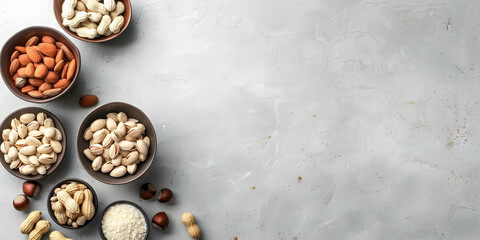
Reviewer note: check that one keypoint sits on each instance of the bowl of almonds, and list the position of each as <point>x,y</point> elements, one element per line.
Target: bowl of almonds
<point>93,20</point>
<point>72,203</point>
<point>39,64</point>
<point>116,143</point>
<point>33,143</point>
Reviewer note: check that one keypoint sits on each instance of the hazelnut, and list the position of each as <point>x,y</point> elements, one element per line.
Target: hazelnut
<point>147,191</point>
<point>165,195</point>
<point>21,202</point>
<point>160,221</point>
<point>31,188</point>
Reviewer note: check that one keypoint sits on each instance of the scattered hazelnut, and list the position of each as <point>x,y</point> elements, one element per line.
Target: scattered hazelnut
<point>31,188</point>
<point>160,221</point>
<point>147,191</point>
<point>165,195</point>
<point>21,202</point>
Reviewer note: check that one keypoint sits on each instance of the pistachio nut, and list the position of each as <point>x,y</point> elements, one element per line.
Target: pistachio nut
<point>113,116</point>
<point>7,158</point>
<point>98,124</point>
<point>42,129</point>
<point>45,140</point>
<point>20,82</point>
<point>22,130</point>
<point>116,136</point>
<point>134,120</point>
<point>28,150</point>
<point>124,153</point>
<point>89,154</point>
<point>106,153</point>
<point>28,170</point>
<point>5,146</point>
<point>21,143</point>
<point>107,141</point>
<point>24,159</point>
<point>35,133</point>
<point>117,161</point>
<point>126,145</point>
<point>5,134</point>
<point>122,117</point>
<point>48,122</point>
<point>13,136</point>
<point>142,157</point>
<point>56,146</point>
<point>14,123</point>
<point>26,118</point>
<point>34,161</point>
<point>121,129</point>
<point>132,168</point>
<point>41,116</point>
<point>42,170</point>
<point>98,136</point>
<point>141,146</point>
<point>58,135</point>
<point>119,171</point>
<point>88,134</point>
<point>46,158</point>
<point>31,141</point>
<point>13,153</point>
<point>107,167</point>
<point>33,125</point>
<point>49,132</point>
<point>130,125</point>
<point>97,163</point>
<point>111,124</point>
<point>146,139</point>
<point>96,149</point>
<point>45,148</point>
<point>15,164</point>
<point>132,157</point>
<point>114,150</point>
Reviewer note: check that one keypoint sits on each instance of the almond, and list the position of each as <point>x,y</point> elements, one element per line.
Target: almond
<point>21,49</point>
<point>88,100</point>
<point>71,69</point>
<point>64,71</point>
<point>35,82</point>
<point>14,66</point>
<point>59,44</point>
<point>45,86</point>
<point>30,70</point>
<point>49,62</point>
<point>35,94</point>
<point>59,56</point>
<point>27,88</point>
<point>62,83</point>
<point>33,55</point>
<point>24,59</point>
<point>48,39</point>
<point>49,49</point>
<point>32,41</point>
<point>52,92</point>
<point>51,77</point>
<point>15,76</point>
<point>22,72</point>
<point>68,54</point>
<point>59,66</point>
<point>37,64</point>
<point>14,55</point>
<point>41,71</point>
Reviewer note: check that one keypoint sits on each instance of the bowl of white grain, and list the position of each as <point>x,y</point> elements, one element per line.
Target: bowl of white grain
<point>124,220</point>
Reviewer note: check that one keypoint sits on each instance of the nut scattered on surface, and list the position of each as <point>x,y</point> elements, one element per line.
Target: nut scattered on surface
<point>37,71</point>
<point>72,204</point>
<point>29,223</point>
<point>92,19</point>
<point>56,235</point>
<point>147,191</point>
<point>88,100</point>
<point>193,229</point>
<point>160,221</point>
<point>31,188</point>
<point>21,202</point>
<point>117,144</point>
<point>32,144</point>
<point>165,195</point>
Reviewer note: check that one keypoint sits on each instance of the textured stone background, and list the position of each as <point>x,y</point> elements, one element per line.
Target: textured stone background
<point>287,119</point>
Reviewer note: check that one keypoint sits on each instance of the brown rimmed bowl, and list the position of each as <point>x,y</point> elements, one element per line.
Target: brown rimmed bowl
<point>101,112</point>
<point>19,39</point>
<point>67,181</point>
<point>6,124</point>
<point>127,14</point>
<point>100,230</point>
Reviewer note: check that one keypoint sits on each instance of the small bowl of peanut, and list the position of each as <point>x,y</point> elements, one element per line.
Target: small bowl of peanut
<point>72,204</point>
<point>39,64</point>
<point>93,20</point>
<point>116,143</point>
<point>33,143</point>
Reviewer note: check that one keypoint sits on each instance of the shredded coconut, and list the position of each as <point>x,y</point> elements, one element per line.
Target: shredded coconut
<point>124,222</point>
